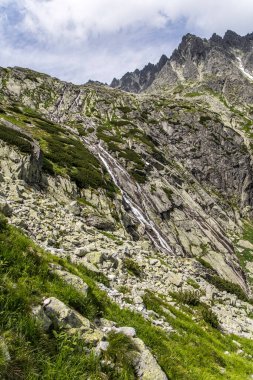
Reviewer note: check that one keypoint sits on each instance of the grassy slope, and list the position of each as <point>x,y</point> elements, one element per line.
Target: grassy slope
<point>62,154</point>
<point>196,351</point>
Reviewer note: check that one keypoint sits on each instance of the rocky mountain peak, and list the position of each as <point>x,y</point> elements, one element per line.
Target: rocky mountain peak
<point>195,59</point>
<point>139,80</point>
<point>234,40</point>
<point>191,47</point>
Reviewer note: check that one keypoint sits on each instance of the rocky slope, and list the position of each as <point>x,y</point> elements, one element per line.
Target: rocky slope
<point>151,190</point>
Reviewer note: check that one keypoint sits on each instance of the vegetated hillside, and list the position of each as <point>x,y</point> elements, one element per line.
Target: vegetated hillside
<point>76,333</point>
<point>139,213</point>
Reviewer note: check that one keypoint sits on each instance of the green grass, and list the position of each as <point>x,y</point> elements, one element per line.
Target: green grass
<point>122,350</point>
<point>195,351</point>
<point>248,232</point>
<point>210,317</point>
<point>25,279</point>
<point>83,201</point>
<point>246,255</point>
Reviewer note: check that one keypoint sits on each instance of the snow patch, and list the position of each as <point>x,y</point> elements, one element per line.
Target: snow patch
<point>248,75</point>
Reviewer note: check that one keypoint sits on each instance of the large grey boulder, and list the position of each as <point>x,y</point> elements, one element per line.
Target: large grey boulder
<point>64,317</point>
<point>100,223</point>
<point>54,313</point>
<point>5,208</point>
<point>146,366</point>
<point>70,279</point>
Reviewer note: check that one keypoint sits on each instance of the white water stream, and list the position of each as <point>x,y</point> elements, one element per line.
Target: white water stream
<point>117,172</point>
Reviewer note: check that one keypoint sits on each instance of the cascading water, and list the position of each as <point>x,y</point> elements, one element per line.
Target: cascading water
<point>118,173</point>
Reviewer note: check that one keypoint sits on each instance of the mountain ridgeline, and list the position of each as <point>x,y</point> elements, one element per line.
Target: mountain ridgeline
<point>126,220</point>
<point>214,62</point>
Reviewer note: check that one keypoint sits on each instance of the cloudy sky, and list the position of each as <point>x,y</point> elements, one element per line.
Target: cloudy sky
<point>78,40</point>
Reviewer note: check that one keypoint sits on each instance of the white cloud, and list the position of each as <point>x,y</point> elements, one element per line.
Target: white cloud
<point>81,39</point>
<point>80,18</point>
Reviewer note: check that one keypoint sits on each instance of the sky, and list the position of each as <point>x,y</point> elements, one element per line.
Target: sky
<point>78,40</point>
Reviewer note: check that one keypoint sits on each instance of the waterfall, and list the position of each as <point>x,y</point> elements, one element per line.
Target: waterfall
<point>130,191</point>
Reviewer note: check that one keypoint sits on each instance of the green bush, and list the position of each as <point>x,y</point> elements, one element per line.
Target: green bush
<point>205,263</point>
<point>168,192</point>
<point>139,175</point>
<point>187,297</point>
<point>125,109</point>
<point>193,283</point>
<point>147,140</point>
<point>16,138</point>
<point>131,155</point>
<point>48,126</point>
<point>210,317</point>
<point>47,166</point>
<point>159,157</point>
<point>132,267</point>
<point>3,223</point>
<point>82,167</point>
<point>228,286</point>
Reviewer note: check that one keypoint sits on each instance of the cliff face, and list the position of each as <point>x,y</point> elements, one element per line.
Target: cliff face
<point>152,191</point>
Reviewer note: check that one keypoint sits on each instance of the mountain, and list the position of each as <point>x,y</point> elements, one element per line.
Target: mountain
<point>214,64</point>
<point>139,80</point>
<point>126,233</point>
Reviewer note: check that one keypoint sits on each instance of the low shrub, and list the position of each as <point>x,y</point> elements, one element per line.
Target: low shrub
<point>187,297</point>
<point>3,223</point>
<point>227,286</point>
<point>139,175</point>
<point>193,283</point>
<point>168,192</point>
<point>82,167</point>
<point>204,263</point>
<point>133,267</point>
<point>210,317</point>
<point>15,138</point>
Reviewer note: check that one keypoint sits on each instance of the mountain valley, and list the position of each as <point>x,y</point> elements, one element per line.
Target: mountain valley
<point>126,220</point>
